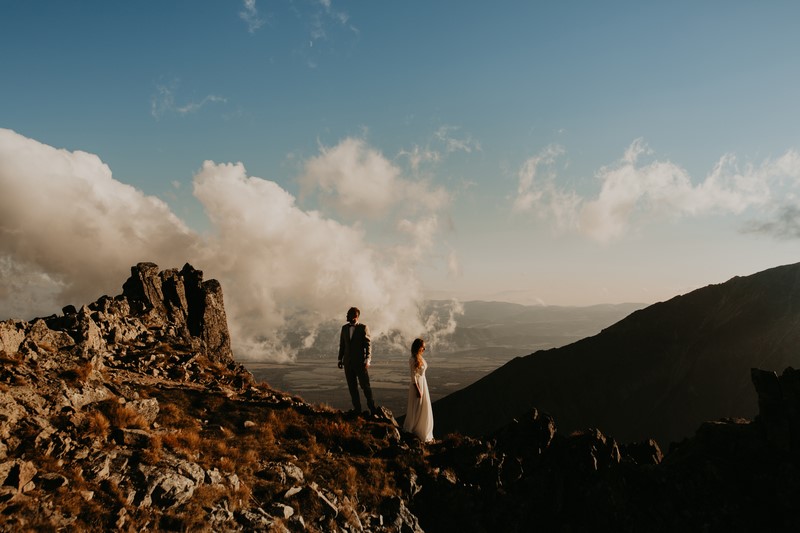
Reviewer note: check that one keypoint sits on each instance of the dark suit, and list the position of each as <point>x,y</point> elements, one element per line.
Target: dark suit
<point>354,353</point>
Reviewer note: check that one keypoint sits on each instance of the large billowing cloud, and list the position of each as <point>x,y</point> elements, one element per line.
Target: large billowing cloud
<point>281,263</point>
<point>69,232</point>
<point>357,182</point>
<point>632,191</point>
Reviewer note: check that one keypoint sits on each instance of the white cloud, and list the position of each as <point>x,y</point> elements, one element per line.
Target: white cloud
<point>358,182</point>
<point>442,144</point>
<point>326,28</point>
<point>530,190</point>
<point>69,232</point>
<point>163,102</point>
<point>417,156</point>
<point>453,144</point>
<point>634,192</point>
<point>281,261</point>
<point>250,16</point>
<point>339,17</point>
<point>68,229</point>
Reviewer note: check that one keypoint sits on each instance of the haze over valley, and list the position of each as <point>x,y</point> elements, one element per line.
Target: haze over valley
<point>487,335</point>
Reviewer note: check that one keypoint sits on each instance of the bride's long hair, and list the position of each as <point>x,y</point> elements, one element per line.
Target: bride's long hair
<point>416,352</point>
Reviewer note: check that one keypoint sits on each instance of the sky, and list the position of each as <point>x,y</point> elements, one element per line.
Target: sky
<point>313,155</point>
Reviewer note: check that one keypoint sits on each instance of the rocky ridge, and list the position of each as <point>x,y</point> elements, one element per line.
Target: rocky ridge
<point>131,414</point>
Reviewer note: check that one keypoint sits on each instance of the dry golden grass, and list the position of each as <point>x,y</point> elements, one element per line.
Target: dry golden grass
<point>206,496</point>
<point>184,442</point>
<point>242,497</point>
<point>97,424</point>
<point>281,420</point>
<point>172,416</point>
<point>332,429</point>
<point>226,433</point>
<point>265,434</point>
<point>226,464</point>
<point>249,457</point>
<point>220,448</point>
<point>122,416</point>
<point>378,480</point>
<point>326,408</point>
<point>192,515</point>
<point>211,369</point>
<point>79,373</point>
<point>154,451</point>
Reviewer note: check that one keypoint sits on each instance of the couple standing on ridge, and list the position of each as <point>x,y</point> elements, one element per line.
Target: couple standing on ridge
<point>355,354</point>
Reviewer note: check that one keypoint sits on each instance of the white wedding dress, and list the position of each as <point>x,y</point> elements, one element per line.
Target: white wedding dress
<point>419,415</point>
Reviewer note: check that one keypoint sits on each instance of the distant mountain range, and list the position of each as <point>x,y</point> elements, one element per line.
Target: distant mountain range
<point>659,372</point>
<point>524,327</point>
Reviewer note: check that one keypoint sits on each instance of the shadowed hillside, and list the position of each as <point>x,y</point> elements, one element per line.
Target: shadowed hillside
<point>657,373</point>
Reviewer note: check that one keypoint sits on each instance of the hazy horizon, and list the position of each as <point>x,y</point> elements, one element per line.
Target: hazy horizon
<point>318,154</point>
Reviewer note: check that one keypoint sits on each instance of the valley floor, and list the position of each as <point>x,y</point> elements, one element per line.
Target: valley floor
<point>318,380</point>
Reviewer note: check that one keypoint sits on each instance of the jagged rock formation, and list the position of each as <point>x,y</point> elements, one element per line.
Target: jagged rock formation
<point>658,373</point>
<point>190,305</point>
<point>129,415</point>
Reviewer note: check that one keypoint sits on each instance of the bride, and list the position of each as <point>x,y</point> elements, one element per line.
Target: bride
<point>419,415</point>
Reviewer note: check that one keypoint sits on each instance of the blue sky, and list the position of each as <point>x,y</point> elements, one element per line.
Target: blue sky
<point>539,152</point>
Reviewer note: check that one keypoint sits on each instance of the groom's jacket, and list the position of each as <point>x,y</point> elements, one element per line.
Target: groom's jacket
<point>355,350</point>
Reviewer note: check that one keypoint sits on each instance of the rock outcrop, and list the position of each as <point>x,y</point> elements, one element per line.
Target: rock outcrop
<point>182,300</point>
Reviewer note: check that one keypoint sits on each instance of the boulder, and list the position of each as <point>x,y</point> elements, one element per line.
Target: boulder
<point>12,333</point>
<point>397,517</point>
<point>47,339</point>
<point>146,408</point>
<point>17,474</point>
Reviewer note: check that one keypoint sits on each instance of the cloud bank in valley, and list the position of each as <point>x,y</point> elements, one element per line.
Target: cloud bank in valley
<point>633,191</point>
<point>69,232</point>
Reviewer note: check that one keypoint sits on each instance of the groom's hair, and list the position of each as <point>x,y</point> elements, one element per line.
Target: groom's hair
<point>354,310</point>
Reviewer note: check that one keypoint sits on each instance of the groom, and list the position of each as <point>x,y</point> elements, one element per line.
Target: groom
<point>355,352</point>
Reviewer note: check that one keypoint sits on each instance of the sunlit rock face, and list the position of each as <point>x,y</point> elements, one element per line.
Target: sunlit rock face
<point>181,299</point>
<point>172,305</point>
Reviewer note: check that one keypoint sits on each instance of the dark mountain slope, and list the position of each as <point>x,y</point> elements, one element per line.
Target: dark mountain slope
<point>659,373</point>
